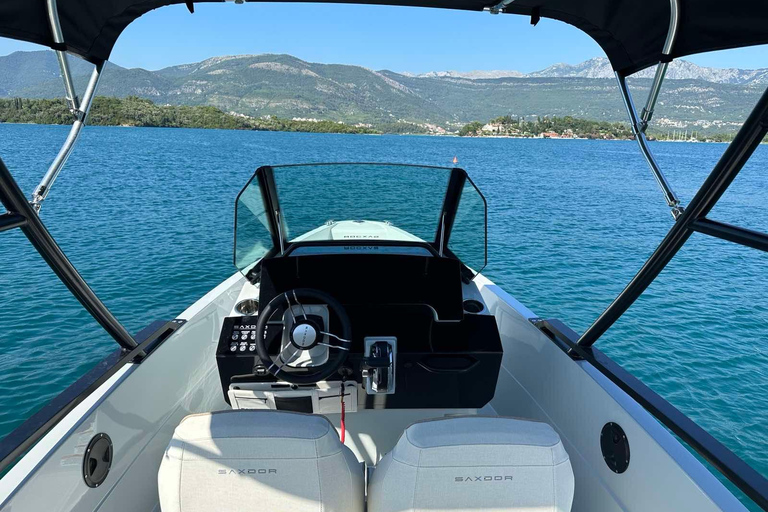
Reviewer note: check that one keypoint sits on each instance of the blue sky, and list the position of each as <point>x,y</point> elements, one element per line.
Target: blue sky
<point>377,37</point>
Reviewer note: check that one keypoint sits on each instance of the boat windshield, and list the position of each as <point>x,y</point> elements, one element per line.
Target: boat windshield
<point>355,202</point>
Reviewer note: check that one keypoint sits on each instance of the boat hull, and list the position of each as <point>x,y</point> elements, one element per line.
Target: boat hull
<point>141,404</point>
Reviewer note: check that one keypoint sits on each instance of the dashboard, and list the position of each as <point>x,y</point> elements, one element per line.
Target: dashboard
<point>386,331</point>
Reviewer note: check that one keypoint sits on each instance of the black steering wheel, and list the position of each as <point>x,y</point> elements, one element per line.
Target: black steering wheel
<point>306,333</point>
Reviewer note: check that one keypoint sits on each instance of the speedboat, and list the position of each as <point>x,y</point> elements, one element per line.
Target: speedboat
<point>358,359</point>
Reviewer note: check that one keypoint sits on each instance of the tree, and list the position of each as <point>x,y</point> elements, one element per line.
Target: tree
<point>472,128</point>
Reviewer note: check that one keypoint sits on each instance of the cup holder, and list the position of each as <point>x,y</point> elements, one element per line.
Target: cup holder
<point>473,306</point>
<point>248,307</point>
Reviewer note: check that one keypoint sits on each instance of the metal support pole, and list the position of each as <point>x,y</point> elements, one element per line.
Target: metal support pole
<point>81,114</point>
<point>15,203</point>
<point>661,69</point>
<point>496,9</point>
<point>735,234</point>
<point>653,95</point>
<point>10,221</point>
<point>669,194</point>
<point>58,38</point>
<point>735,156</point>
<point>639,123</point>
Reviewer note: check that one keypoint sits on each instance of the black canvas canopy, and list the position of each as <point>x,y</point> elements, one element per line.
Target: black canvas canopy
<point>631,32</point>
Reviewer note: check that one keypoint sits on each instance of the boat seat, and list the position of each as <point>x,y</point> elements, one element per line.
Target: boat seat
<point>248,460</point>
<point>474,463</point>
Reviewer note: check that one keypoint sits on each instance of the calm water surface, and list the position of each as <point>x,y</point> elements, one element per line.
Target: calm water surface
<point>146,215</point>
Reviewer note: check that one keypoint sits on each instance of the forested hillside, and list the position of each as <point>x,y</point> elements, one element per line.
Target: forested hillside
<point>133,111</point>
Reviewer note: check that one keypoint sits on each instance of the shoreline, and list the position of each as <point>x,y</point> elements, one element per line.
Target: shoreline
<point>592,139</point>
<point>2,123</point>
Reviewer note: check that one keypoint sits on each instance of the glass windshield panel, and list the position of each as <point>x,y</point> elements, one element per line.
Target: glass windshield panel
<point>361,201</point>
<point>468,235</point>
<point>358,203</point>
<point>252,235</point>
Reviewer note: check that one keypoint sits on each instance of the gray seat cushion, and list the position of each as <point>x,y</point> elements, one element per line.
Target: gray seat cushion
<point>474,463</point>
<point>255,461</point>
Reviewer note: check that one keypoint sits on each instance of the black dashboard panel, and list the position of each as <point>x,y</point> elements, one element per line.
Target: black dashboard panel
<point>438,364</point>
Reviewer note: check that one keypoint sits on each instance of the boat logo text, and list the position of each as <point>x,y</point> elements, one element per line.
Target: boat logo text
<point>486,478</point>
<point>247,471</point>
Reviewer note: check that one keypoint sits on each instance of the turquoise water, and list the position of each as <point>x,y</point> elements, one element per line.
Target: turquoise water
<point>147,217</point>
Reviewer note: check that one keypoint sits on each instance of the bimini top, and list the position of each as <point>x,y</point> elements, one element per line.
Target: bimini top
<point>631,32</point>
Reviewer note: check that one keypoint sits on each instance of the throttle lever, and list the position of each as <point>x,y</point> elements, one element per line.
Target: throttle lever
<point>378,365</point>
<point>373,362</point>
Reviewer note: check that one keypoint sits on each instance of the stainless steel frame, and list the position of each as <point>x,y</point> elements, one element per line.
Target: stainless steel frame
<point>661,69</point>
<point>78,108</point>
<point>58,38</point>
<point>669,195</point>
<point>639,123</point>
<point>496,9</point>
<point>81,114</point>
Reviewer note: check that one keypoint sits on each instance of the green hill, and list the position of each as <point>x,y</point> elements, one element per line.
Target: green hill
<point>133,111</point>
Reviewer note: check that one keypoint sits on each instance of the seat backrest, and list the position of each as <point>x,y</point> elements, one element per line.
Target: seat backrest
<point>256,461</point>
<point>474,463</point>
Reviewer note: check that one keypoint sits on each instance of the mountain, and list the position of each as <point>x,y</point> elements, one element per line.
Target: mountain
<point>21,70</point>
<point>694,97</point>
<point>257,85</point>
<point>600,67</point>
<point>472,75</point>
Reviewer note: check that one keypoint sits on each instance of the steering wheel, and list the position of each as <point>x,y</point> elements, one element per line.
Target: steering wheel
<point>305,334</point>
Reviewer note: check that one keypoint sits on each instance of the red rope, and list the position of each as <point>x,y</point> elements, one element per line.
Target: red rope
<point>343,411</point>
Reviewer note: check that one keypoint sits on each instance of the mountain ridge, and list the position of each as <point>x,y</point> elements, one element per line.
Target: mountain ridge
<point>600,67</point>
<point>287,87</point>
